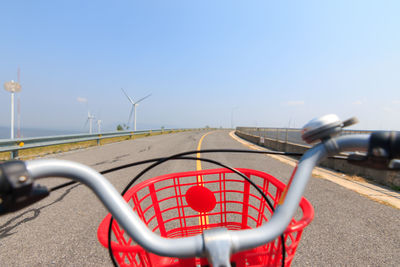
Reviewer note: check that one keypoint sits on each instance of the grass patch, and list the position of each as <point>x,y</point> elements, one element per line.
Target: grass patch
<point>395,187</point>
<point>5,155</point>
<point>115,139</point>
<point>140,136</point>
<point>31,153</point>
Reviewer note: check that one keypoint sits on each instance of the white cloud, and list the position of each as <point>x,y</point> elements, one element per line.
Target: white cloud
<point>81,99</point>
<point>294,103</point>
<point>396,102</point>
<point>357,102</point>
<point>387,109</point>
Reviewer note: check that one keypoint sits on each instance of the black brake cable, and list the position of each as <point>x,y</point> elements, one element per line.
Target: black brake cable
<point>192,152</point>
<point>189,152</point>
<point>178,157</point>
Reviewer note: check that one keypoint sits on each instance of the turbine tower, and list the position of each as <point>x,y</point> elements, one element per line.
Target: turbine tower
<point>90,118</point>
<point>12,87</point>
<point>133,108</point>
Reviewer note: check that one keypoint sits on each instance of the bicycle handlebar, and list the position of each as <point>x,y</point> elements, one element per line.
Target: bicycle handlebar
<point>117,206</point>
<point>206,243</point>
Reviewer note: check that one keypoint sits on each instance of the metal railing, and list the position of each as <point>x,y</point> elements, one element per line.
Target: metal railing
<point>287,135</point>
<point>15,145</point>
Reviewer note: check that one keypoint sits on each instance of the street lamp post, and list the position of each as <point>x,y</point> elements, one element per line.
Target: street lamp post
<point>12,87</point>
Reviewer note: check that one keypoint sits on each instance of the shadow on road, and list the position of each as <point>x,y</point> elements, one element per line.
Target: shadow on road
<point>6,229</point>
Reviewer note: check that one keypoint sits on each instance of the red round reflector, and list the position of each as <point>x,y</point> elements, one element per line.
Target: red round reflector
<point>200,199</point>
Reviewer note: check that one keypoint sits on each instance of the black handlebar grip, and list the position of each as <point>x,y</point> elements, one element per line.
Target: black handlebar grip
<point>16,187</point>
<point>385,144</point>
<point>395,144</point>
<point>13,175</point>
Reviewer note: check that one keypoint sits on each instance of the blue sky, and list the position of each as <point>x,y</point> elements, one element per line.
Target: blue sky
<point>266,63</point>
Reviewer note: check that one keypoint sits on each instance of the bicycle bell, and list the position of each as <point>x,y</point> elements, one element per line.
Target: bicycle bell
<point>324,127</point>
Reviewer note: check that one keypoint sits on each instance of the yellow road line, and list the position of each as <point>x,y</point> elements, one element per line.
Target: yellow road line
<point>203,220</point>
<point>198,162</point>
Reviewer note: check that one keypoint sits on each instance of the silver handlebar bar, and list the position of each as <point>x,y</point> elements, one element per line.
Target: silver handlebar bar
<point>117,206</point>
<point>200,245</point>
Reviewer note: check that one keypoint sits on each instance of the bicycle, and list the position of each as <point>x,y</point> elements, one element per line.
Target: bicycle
<point>219,245</point>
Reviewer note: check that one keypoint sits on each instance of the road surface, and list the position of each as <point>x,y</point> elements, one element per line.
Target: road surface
<point>348,228</point>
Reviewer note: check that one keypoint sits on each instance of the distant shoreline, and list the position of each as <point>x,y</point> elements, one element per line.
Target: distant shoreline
<point>33,132</point>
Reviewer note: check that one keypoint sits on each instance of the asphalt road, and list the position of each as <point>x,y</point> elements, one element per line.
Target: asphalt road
<point>348,229</point>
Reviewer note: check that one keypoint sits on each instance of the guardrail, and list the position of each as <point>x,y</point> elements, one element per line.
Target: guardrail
<point>13,146</point>
<point>287,135</point>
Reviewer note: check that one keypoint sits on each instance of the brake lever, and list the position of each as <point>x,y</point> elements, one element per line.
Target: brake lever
<point>394,164</point>
<point>17,188</point>
<point>378,163</point>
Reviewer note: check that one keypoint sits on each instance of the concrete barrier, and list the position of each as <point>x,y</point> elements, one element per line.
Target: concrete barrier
<point>388,178</point>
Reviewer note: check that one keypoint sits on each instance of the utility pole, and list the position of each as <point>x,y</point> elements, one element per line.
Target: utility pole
<point>19,108</point>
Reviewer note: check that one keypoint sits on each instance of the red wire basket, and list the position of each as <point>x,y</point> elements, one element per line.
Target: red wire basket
<point>185,204</point>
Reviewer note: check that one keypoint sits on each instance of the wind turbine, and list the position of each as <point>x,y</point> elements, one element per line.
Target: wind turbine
<point>90,118</point>
<point>133,108</point>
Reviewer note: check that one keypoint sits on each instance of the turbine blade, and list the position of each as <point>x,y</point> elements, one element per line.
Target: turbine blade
<point>84,126</point>
<point>142,99</point>
<point>90,115</point>
<point>130,99</point>
<point>130,115</point>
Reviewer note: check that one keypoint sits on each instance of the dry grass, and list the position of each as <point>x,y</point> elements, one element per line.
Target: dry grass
<point>42,151</point>
<point>356,178</point>
<point>115,139</point>
<point>31,153</point>
<point>353,178</point>
<point>317,176</point>
<point>5,155</point>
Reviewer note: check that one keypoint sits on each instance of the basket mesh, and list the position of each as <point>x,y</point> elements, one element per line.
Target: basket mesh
<point>160,202</point>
